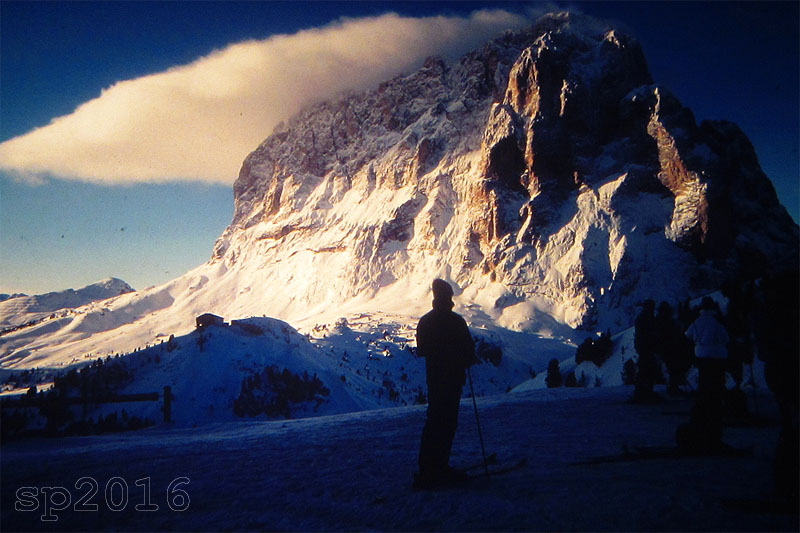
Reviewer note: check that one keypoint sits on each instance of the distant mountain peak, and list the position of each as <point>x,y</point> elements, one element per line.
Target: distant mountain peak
<point>19,309</point>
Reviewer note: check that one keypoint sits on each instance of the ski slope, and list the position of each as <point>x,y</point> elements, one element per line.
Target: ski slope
<point>353,472</point>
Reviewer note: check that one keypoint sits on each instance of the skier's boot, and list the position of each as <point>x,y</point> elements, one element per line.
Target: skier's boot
<point>446,477</point>
<point>454,476</point>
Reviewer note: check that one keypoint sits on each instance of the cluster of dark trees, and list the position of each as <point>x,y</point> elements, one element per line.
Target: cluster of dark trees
<point>488,351</point>
<point>28,324</point>
<point>388,384</point>
<point>276,392</point>
<point>15,423</point>
<point>18,423</point>
<point>250,329</point>
<point>26,378</point>
<point>171,344</point>
<point>63,406</point>
<point>111,423</point>
<point>98,381</point>
<point>596,350</point>
<point>555,379</point>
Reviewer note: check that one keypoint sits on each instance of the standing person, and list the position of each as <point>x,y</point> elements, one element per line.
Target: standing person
<point>703,434</point>
<point>778,314</point>
<point>443,339</point>
<point>645,342</point>
<point>670,348</point>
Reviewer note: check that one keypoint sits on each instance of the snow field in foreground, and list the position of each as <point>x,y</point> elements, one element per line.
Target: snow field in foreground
<point>353,472</point>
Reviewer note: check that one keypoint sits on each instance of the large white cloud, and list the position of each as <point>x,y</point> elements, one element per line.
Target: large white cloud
<point>199,121</point>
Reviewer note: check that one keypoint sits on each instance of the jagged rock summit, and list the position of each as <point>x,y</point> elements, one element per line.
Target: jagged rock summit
<point>546,175</point>
<point>545,172</point>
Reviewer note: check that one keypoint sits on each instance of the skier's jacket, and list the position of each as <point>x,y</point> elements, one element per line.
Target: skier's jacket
<point>709,336</point>
<point>645,333</point>
<point>443,339</point>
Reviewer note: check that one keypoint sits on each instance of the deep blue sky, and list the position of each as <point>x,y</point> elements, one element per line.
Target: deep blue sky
<point>733,61</point>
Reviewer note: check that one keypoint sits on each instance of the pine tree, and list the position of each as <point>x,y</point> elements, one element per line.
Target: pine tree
<point>553,378</point>
<point>629,372</point>
<point>571,380</point>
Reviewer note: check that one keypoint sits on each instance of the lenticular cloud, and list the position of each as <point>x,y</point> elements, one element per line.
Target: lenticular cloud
<point>199,121</point>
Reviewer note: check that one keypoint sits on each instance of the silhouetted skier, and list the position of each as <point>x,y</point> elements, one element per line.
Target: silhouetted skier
<point>645,342</point>
<point>443,339</point>
<point>672,348</point>
<point>779,347</point>
<point>739,321</point>
<point>703,433</point>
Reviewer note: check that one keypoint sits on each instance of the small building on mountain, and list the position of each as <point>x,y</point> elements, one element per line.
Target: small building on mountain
<point>208,319</point>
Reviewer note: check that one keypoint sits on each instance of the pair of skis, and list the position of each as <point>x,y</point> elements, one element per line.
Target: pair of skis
<point>474,473</point>
<point>640,453</point>
<point>483,471</point>
<point>493,467</point>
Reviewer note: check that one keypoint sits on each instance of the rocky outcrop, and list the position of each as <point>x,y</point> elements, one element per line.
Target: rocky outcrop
<point>546,168</point>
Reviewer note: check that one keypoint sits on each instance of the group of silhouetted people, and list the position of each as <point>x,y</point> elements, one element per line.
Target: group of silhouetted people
<point>661,338</point>
<point>762,319</point>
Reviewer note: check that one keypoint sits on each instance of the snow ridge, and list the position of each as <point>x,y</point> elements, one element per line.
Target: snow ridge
<point>20,308</point>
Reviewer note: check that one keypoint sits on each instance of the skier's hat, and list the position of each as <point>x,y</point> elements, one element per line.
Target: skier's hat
<point>708,304</point>
<point>441,290</point>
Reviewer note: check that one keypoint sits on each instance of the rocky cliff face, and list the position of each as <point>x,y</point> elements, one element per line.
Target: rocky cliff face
<point>544,172</point>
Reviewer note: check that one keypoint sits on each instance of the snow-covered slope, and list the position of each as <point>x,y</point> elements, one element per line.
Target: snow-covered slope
<point>19,309</point>
<point>365,363</point>
<point>207,367</point>
<point>544,175</point>
<point>353,473</point>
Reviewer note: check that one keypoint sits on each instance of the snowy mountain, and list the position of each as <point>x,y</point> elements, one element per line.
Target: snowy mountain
<point>544,172</point>
<point>545,175</point>
<point>570,195</point>
<point>18,309</point>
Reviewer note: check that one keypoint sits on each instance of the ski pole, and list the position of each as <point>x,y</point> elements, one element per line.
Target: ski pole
<point>753,388</point>
<point>478,423</point>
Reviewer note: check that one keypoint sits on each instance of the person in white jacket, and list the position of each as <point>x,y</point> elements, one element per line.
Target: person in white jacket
<point>709,336</point>
<point>704,431</point>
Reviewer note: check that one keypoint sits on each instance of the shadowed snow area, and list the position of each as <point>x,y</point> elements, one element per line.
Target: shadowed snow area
<point>353,472</point>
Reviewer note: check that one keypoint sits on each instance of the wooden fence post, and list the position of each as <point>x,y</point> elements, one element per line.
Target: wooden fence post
<point>167,403</point>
